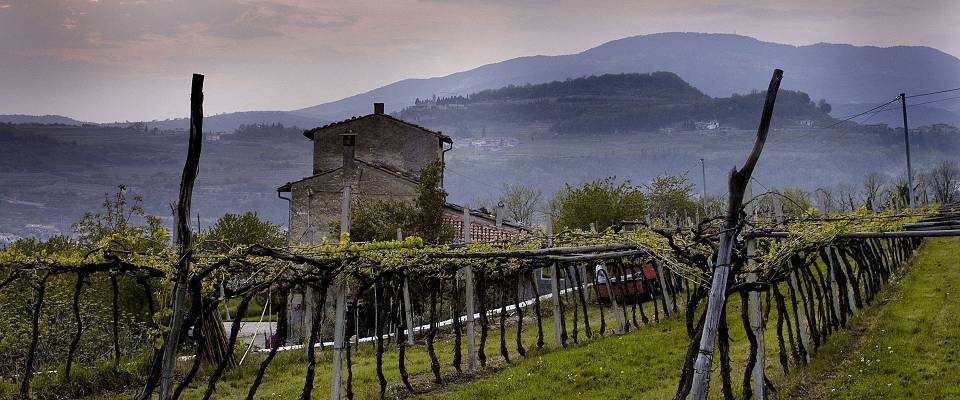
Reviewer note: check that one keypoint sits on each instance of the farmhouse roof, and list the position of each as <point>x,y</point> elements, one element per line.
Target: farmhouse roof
<point>381,167</point>
<point>377,114</point>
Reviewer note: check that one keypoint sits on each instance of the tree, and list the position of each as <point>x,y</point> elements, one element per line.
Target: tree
<point>944,181</point>
<point>872,188</point>
<point>669,194</point>
<point>379,219</point>
<point>604,202</point>
<point>244,230</point>
<point>123,223</point>
<point>822,105</point>
<point>520,202</point>
<point>431,198</point>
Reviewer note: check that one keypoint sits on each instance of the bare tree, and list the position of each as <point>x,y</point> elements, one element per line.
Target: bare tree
<point>943,181</point>
<point>521,202</point>
<point>872,188</point>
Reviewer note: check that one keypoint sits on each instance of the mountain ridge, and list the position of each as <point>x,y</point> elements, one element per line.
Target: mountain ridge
<point>718,64</point>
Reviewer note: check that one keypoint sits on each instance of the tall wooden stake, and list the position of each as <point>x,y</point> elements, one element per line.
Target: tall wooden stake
<point>756,308</point>
<point>467,273</point>
<point>340,322</point>
<point>184,237</point>
<point>555,292</point>
<point>407,307</point>
<point>718,288</point>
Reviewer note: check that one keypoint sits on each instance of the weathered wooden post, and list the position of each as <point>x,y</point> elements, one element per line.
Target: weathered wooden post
<point>718,287</point>
<point>851,298</point>
<point>800,319</point>
<point>184,237</point>
<point>663,288</point>
<point>340,322</point>
<point>467,273</point>
<point>407,307</point>
<point>835,289</point>
<point>555,291</point>
<point>613,302</point>
<point>756,307</point>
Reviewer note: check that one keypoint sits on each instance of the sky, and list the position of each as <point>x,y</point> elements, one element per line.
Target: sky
<point>119,60</point>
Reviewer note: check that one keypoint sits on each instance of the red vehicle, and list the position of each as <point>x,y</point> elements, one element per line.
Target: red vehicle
<point>632,285</point>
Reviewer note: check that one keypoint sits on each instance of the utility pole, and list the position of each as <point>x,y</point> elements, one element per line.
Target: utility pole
<point>703,173</point>
<point>906,143</point>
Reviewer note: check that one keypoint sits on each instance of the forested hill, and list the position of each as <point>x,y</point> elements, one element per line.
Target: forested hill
<point>609,104</point>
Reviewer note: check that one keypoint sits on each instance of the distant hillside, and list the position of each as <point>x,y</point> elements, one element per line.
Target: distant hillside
<point>39,119</point>
<point>609,104</point>
<point>717,64</point>
<point>231,121</point>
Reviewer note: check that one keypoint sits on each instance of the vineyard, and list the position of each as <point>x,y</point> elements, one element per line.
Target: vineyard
<point>801,278</point>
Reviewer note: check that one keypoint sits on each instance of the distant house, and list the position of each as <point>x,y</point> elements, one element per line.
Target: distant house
<point>389,155</point>
<point>707,125</point>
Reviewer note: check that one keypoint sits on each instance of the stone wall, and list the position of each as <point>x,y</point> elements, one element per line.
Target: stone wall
<point>316,201</point>
<point>381,140</point>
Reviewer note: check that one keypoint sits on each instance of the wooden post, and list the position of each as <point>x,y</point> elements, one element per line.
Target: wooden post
<point>184,237</point>
<point>717,298</point>
<point>850,296</point>
<point>340,322</point>
<point>663,288</point>
<point>340,325</point>
<point>835,289</point>
<point>467,273</point>
<point>613,302</point>
<point>800,319</point>
<point>555,291</point>
<point>756,325</point>
<point>407,307</point>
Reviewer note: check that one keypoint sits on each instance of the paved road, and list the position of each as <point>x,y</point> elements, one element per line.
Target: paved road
<point>256,331</point>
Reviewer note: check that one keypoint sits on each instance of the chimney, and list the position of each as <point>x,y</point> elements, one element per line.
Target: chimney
<point>378,108</point>
<point>349,150</point>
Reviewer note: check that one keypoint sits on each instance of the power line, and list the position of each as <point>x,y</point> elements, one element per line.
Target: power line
<point>934,101</point>
<point>930,93</point>
<point>865,112</point>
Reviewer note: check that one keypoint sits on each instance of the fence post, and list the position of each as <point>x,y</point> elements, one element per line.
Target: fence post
<point>467,273</point>
<point>408,309</point>
<point>801,321</point>
<point>555,290</point>
<point>849,286</point>
<point>832,281</point>
<point>340,326</point>
<point>613,301</point>
<point>756,325</point>
<point>663,288</point>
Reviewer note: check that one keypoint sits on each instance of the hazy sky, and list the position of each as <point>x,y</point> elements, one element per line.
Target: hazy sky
<point>130,60</point>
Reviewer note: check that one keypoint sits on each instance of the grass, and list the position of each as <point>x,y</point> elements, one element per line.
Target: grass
<point>904,346</point>
<point>909,329</point>
<point>907,348</point>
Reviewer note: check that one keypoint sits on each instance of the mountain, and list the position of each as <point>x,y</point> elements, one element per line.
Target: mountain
<point>606,104</point>
<point>717,64</point>
<point>39,119</point>
<point>229,122</point>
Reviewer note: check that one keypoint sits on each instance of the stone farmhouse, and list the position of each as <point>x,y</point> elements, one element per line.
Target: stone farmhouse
<point>386,155</point>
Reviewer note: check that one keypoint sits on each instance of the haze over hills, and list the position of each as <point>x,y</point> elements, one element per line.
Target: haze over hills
<point>607,104</point>
<point>227,122</point>
<point>634,126</point>
<point>717,64</point>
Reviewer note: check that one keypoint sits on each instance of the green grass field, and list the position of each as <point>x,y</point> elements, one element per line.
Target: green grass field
<point>903,346</point>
